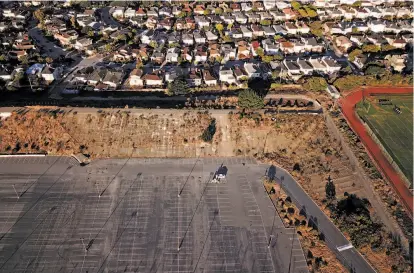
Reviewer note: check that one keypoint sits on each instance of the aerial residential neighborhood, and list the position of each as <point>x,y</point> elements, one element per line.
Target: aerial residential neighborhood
<point>281,41</point>
<point>206,136</point>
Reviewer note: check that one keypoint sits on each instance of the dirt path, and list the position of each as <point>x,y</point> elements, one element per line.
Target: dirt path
<point>348,109</point>
<point>226,145</point>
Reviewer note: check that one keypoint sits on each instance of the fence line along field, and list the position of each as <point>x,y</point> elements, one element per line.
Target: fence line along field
<point>390,117</point>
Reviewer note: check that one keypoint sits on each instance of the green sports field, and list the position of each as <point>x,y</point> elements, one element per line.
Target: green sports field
<point>395,131</point>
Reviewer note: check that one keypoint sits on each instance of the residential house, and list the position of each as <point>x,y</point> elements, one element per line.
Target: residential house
<point>214,51</point>
<point>376,26</point>
<point>243,52</point>
<point>302,27</point>
<point>129,13</point>
<point>270,47</point>
<point>201,21</point>
<point>96,76</point>
<point>81,44</point>
<point>247,33</point>
<point>332,65</point>
<point>358,39</point>
<point>360,61</point>
<point>208,78</point>
<point>199,9</point>
<point>240,73</point>
<point>291,28</point>
<point>397,62</point>
<point>228,52</point>
<point>118,12</point>
<point>153,79</point>
<point>311,45</point>
<point>194,78</point>
<point>289,14</point>
<point>165,11</point>
<point>257,30</point>
<point>343,43</point>
<point>280,30</point>
<point>304,66</point>
<point>318,65</point>
<point>112,79</point>
<point>240,17</point>
<point>246,6</point>
<point>152,12</point>
<point>252,70</point>
<point>135,79</point>
<point>269,31</point>
<point>253,17</point>
<point>287,47</point>
<point>200,54</point>
<point>360,26</point>
<point>226,75</point>
<point>173,55</point>
<point>292,67</point>
<point>158,56</point>
<point>188,39</point>
<point>166,23</point>
<point>211,36</point>
<point>199,37</point>
<point>186,54</point>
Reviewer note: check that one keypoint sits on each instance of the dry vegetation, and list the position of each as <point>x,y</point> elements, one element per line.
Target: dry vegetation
<point>318,256</point>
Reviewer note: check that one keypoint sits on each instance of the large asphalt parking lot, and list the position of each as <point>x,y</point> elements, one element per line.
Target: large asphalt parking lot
<point>120,215</point>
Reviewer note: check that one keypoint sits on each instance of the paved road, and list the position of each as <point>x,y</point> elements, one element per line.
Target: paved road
<point>107,17</point>
<point>48,48</point>
<point>119,215</point>
<point>334,238</point>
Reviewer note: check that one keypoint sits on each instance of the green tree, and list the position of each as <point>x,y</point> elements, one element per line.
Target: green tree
<point>2,58</point>
<point>24,59</point>
<point>330,191</point>
<point>375,70</point>
<point>229,26</point>
<point>311,12</point>
<point>316,28</point>
<point>248,99</point>
<point>278,57</point>
<point>49,60</point>
<point>295,5</point>
<point>73,22</point>
<point>219,27</point>
<point>178,86</point>
<point>315,84</point>
<point>91,33</point>
<point>108,48</point>
<point>354,53</point>
<point>370,48</point>
<point>39,15</point>
<point>218,11</point>
<point>387,47</point>
<point>260,52</point>
<point>227,39</point>
<point>153,44</point>
<point>182,14</point>
<point>265,22</point>
<point>303,13</point>
<point>207,12</point>
<point>267,58</point>
<point>209,132</point>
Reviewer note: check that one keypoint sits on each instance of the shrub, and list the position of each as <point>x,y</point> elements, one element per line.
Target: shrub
<point>248,99</point>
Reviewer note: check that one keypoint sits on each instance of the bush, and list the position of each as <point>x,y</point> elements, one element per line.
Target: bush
<point>178,86</point>
<point>209,132</point>
<point>315,84</point>
<point>248,99</point>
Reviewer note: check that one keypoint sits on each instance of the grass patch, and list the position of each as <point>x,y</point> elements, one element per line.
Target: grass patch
<point>395,131</point>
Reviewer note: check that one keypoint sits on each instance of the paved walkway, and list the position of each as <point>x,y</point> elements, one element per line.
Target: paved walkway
<point>348,109</point>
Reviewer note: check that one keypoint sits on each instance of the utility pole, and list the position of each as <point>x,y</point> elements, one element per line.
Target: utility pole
<point>18,197</point>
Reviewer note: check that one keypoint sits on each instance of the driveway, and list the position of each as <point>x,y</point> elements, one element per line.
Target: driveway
<point>47,47</point>
<point>334,238</point>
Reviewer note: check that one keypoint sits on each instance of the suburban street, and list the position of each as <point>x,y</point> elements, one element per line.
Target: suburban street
<point>49,48</point>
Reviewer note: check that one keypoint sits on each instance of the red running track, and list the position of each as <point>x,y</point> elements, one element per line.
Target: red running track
<point>348,109</point>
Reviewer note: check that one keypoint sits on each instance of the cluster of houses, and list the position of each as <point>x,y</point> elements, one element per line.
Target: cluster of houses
<point>106,79</point>
<point>241,40</point>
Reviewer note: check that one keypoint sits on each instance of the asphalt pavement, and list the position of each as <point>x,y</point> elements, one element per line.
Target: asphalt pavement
<point>141,215</point>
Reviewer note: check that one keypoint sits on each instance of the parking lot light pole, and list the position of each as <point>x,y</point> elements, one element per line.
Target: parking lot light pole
<point>18,197</point>
<point>188,177</point>
<point>83,243</point>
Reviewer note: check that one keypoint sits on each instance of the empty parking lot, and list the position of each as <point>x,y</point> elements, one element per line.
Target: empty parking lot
<point>140,215</point>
